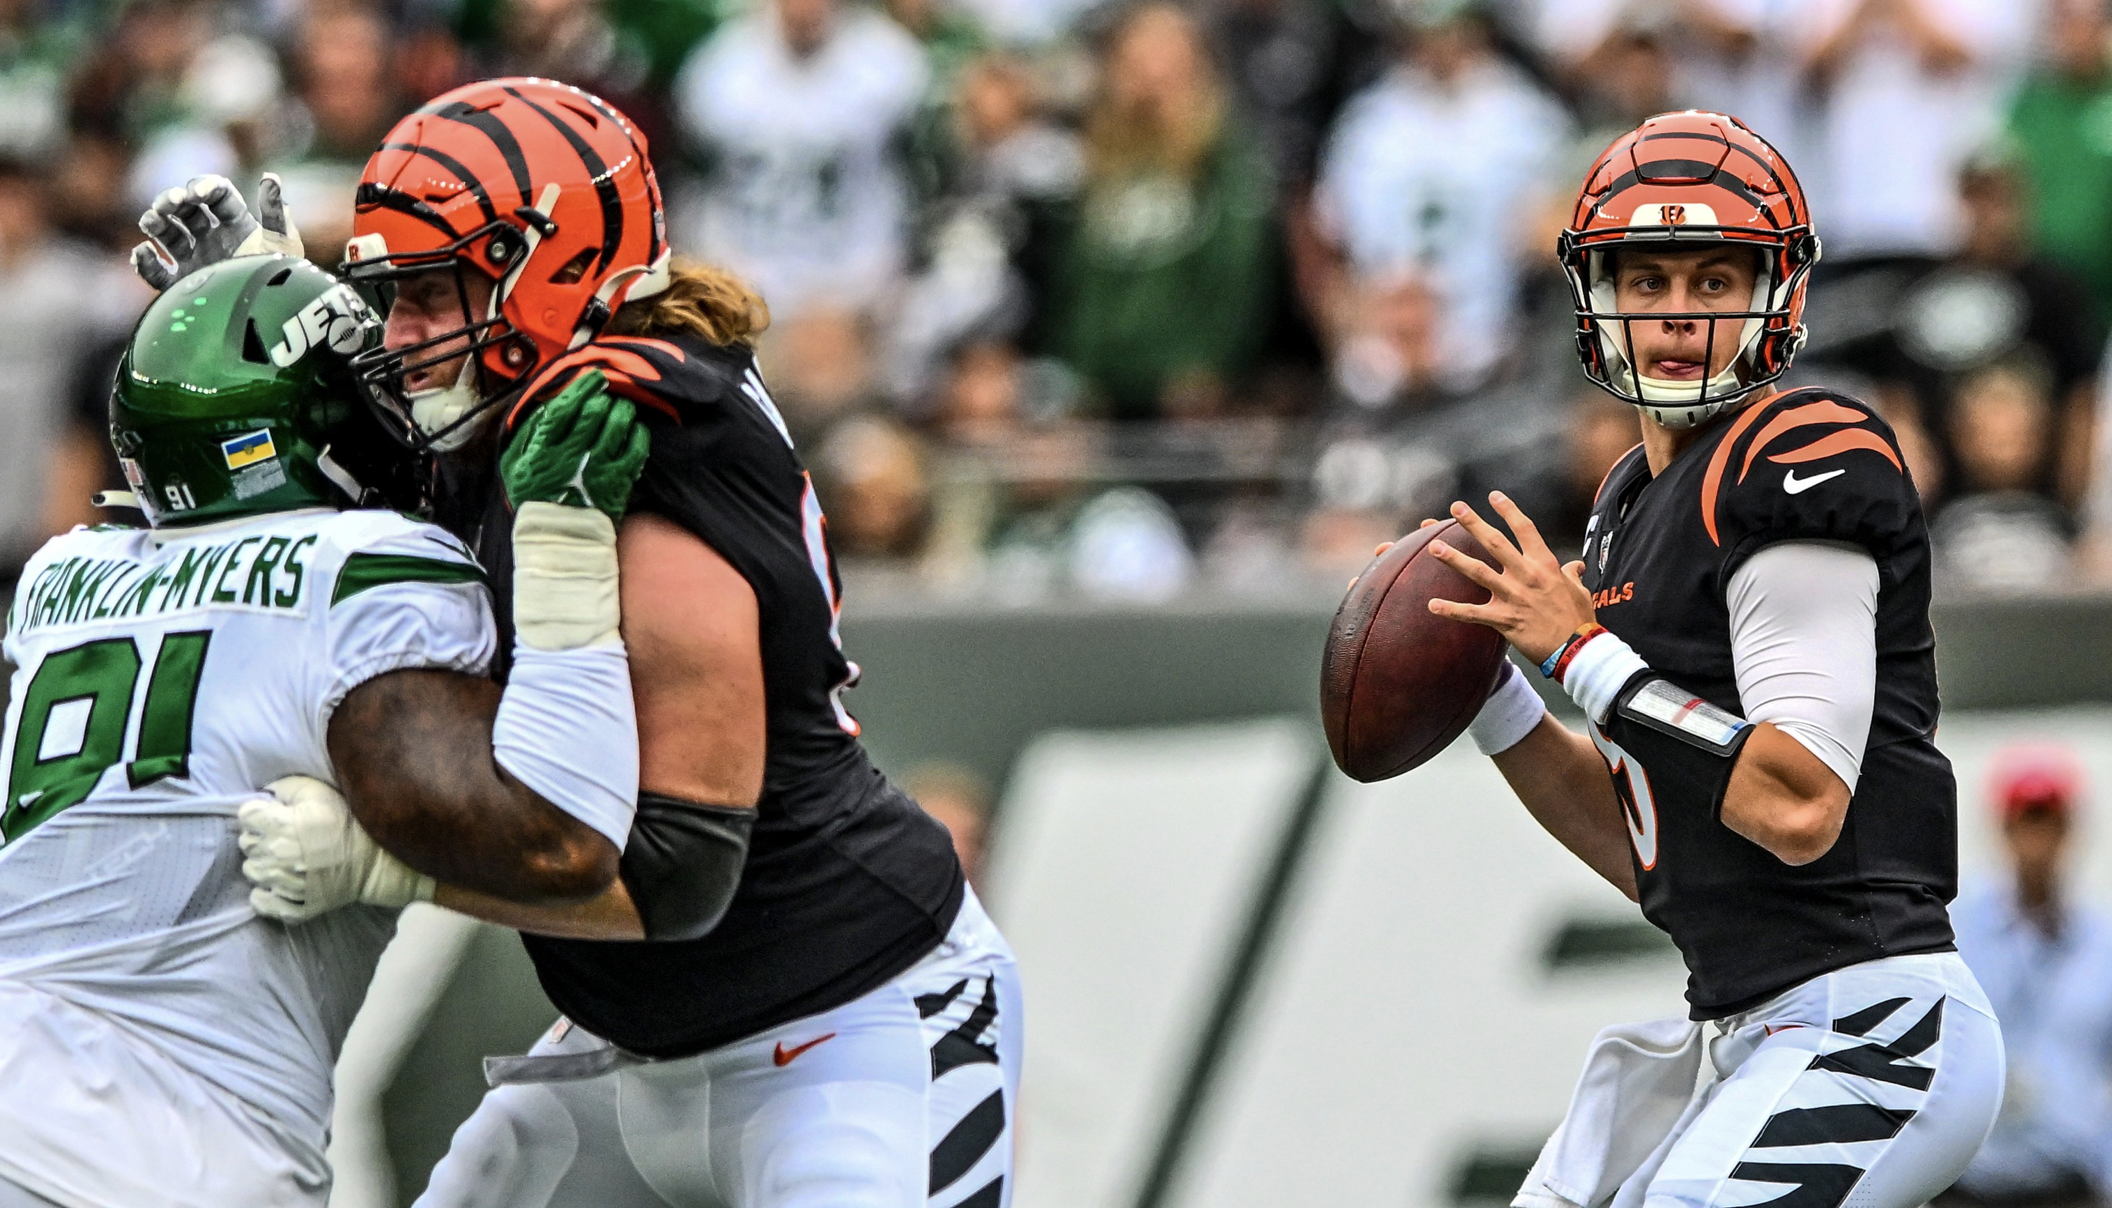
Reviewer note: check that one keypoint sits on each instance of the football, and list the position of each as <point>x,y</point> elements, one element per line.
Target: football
<point>1397,682</point>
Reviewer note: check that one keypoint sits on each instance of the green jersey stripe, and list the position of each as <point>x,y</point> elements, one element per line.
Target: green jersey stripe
<point>363,571</point>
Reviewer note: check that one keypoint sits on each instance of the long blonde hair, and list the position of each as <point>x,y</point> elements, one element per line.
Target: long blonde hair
<point>1168,133</point>
<point>699,300</point>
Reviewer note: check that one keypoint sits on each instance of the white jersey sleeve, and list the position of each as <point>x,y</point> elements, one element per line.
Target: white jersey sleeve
<point>405,595</point>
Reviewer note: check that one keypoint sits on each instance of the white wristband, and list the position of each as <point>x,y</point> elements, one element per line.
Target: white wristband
<point>567,727</point>
<point>564,577</point>
<point>1512,711</point>
<point>1597,671</point>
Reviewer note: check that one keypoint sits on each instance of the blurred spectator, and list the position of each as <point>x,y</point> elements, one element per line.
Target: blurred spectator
<point>579,42</point>
<point>796,109</point>
<point>1005,177</point>
<point>649,37</point>
<point>1166,283</point>
<point>129,85</point>
<point>960,801</point>
<point>1425,187</point>
<point>343,71</point>
<point>1291,65</point>
<point>1027,519</point>
<point>1126,544</point>
<point>1997,299</point>
<point>90,198</point>
<point>37,51</point>
<point>2045,961</point>
<point>1602,429</point>
<point>2000,533</point>
<point>820,367</point>
<point>55,297</point>
<point>1627,79</point>
<point>1028,25</point>
<point>2061,122</point>
<point>949,35</point>
<point>1743,57</point>
<point>231,113</point>
<point>874,488</point>
<point>1911,88</point>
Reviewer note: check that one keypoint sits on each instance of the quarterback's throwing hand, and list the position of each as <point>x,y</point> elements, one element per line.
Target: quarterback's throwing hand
<point>306,855</point>
<point>1536,603</point>
<point>583,449</point>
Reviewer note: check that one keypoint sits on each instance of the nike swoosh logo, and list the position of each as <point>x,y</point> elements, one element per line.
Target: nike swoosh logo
<point>784,1056</point>
<point>1797,486</point>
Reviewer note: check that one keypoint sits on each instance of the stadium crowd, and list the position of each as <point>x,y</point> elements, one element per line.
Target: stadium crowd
<point>1127,299</point>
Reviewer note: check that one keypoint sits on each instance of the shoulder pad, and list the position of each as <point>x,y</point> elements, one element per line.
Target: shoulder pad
<point>668,377</point>
<point>373,548</point>
<point>1808,464</point>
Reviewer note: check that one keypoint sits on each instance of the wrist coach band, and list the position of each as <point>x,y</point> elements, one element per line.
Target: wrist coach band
<point>1559,661</point>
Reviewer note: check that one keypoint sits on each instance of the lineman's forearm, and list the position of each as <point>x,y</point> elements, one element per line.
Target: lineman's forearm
<point>407,747</point>
<point>1562,781</point>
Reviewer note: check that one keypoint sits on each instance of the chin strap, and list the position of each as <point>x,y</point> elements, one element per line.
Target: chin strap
<point>644,282</point>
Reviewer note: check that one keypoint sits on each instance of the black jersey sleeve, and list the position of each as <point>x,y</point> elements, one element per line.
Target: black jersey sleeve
<point>1809,465</point>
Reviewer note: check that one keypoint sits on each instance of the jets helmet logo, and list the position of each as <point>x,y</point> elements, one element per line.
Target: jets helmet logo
<point>337,319</point>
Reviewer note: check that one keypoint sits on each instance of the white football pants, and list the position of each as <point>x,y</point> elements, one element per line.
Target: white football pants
<point>1868,1087</point>
<point>901,1099</point>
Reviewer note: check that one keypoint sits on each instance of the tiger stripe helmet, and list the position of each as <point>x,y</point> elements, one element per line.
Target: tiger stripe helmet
<point>1683,180</point>
<point>543,189</point>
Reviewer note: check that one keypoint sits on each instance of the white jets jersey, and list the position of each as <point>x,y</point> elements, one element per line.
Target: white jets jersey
<point>161,681</point>
<point>806,200</point>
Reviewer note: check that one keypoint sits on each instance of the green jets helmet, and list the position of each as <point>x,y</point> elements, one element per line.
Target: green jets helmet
<point>236,398</point>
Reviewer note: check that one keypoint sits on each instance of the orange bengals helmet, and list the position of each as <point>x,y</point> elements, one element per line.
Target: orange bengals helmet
<point>542,189</point>
<point>1685,180</point>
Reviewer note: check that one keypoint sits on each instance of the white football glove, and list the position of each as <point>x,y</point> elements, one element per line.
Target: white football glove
<point>307,855</point>
<point>205,222</point>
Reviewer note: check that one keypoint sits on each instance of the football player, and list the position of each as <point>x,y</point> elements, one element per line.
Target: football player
<point>789,986</point>
<point>160,1044</point>
<point>1748,636</point>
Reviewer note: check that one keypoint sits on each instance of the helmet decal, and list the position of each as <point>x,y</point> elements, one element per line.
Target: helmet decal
<point>339,319</point>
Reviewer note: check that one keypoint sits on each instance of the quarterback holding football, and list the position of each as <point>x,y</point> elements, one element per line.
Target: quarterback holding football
<point>1748,635</point>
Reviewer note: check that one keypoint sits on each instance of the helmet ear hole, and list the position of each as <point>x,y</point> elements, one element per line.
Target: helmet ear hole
<point>572,270</point>
<point>253,344</point>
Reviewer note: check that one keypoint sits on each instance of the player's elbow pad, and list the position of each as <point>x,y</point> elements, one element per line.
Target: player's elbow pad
<point>682,864</point>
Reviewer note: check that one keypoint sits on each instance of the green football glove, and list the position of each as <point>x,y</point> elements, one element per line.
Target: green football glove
<point>583,449</point>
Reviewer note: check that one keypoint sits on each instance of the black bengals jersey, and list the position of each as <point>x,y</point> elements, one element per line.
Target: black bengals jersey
<point>848,882</point>
<point>1659,554</point>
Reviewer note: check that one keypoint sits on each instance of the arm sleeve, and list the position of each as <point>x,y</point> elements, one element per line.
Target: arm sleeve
<point>1804,646</point>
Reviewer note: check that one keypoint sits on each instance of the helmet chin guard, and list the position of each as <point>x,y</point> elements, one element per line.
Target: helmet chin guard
<point>1687,181</point>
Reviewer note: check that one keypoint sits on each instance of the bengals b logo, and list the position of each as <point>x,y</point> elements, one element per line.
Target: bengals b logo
<point>1675,215</point>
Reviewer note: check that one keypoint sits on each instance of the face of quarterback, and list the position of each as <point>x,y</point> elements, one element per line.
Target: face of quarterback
<point>429,305</point>
<point>1689,282</point>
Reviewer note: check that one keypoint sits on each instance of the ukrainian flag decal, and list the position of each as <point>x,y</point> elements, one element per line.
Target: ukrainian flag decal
<point>248,449</point>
